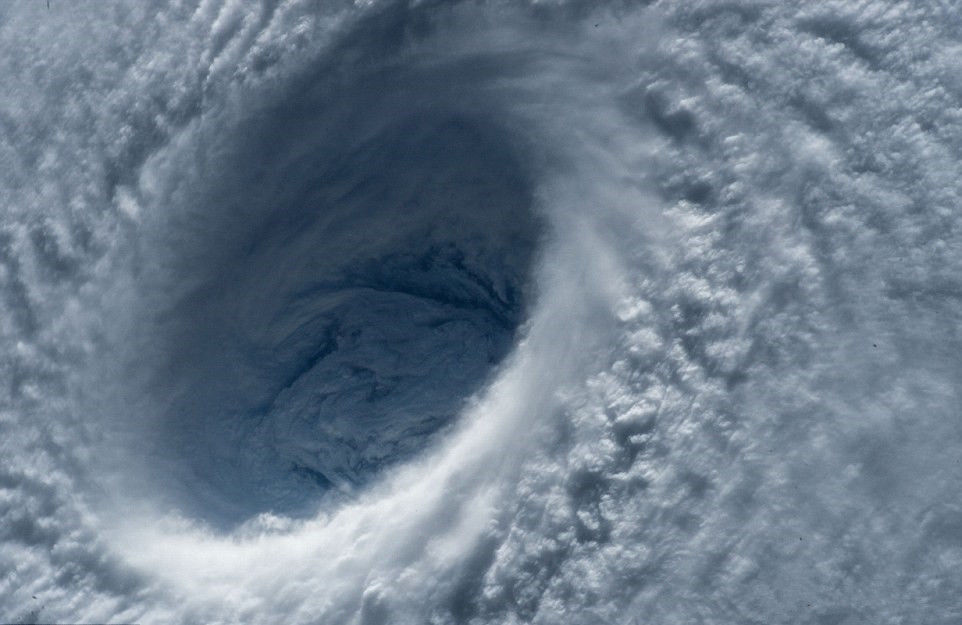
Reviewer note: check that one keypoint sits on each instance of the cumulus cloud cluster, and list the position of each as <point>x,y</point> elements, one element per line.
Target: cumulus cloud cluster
<point>432,312</point>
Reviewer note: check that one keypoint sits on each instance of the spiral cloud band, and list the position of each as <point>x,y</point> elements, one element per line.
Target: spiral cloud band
<point>481,312</point>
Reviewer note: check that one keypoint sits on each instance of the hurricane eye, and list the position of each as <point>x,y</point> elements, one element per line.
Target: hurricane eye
<point>345,300</point>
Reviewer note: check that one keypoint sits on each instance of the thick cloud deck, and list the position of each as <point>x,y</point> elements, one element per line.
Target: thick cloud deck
<point>481,313</point>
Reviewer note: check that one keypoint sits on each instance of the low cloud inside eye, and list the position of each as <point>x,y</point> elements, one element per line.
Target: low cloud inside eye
<point>337,328</point>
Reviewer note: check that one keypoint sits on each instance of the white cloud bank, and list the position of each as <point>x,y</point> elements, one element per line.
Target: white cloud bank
<point>734,393</point>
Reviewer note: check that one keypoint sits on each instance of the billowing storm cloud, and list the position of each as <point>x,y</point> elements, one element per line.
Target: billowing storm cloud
<point>480,312</point>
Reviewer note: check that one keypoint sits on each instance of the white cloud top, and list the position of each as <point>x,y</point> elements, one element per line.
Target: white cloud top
<point>457,313</point>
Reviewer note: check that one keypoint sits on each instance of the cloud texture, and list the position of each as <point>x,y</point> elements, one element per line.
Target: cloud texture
<point>430,312</point>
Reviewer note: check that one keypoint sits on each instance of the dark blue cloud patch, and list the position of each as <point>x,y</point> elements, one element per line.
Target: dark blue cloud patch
<point>345,275</point>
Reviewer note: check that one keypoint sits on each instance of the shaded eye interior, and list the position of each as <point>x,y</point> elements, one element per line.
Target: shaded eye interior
<point>336,315</point>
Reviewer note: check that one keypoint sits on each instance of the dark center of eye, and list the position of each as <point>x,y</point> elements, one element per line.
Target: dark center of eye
<point>341,314</point>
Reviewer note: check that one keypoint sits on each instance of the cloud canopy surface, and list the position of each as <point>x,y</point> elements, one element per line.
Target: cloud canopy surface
<point>441,312</point>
